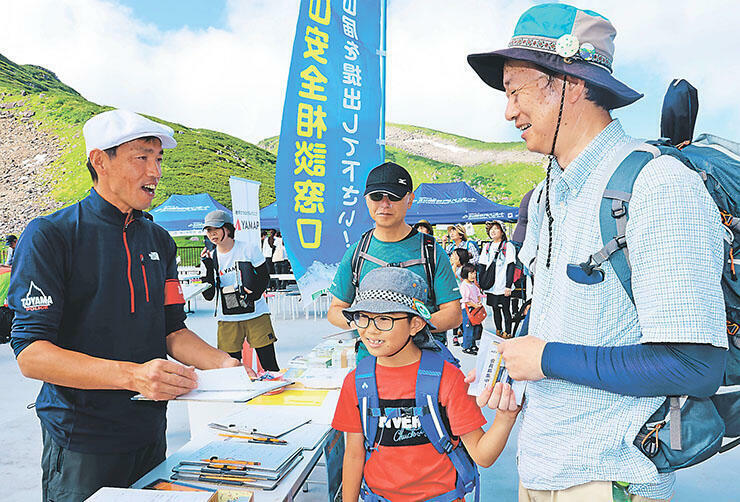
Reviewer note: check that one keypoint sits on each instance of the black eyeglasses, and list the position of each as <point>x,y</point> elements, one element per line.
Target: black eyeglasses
<point>378,196</point>
<point>382,322</point>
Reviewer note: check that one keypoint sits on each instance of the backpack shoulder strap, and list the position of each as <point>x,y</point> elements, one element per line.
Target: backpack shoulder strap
<point>614,209</point>
<point>217,280</point>
<point>367,399</point>
<point>428,381</point>
<point>429,255</point>
<point>359,255</point>
<point>427,395</point>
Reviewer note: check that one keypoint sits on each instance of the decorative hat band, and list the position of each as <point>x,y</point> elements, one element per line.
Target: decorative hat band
<point>396,297</point>
<point>567,46</point>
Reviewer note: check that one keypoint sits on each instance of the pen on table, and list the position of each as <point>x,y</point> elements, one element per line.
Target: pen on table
<point>211,471</point>
<point>256,439</point>
<point>216,460</point>
<point>213,465</point>
<point>294,428</point>
<point>213,479</point>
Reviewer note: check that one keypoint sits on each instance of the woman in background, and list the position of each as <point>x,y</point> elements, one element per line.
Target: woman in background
<point>502,255</point>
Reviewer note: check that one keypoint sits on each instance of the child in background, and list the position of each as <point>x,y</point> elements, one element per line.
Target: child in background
<point>471,297</point>
<point>458,258</point>
<point>403,463</point>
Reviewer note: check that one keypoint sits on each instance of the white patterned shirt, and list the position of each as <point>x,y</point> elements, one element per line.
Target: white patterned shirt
<point>572,434</point>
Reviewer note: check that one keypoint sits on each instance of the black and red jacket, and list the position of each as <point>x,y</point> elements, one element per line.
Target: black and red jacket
<point>91,279</point>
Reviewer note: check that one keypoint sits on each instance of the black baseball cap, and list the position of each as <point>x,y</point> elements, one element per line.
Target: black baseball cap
<point>389,178</point>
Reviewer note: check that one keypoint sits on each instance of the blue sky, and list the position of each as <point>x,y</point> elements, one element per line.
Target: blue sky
<point>222,64</point>
<point>170,15</point>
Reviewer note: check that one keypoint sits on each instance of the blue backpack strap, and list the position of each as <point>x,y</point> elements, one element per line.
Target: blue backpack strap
<point>367,401</point>
<point>614,211</point>
<point>428,380</point>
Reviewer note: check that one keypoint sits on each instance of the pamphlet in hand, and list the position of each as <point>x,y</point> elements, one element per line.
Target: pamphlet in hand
<point>490,368</point>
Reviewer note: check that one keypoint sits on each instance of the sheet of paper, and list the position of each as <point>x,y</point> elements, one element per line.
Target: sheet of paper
<point>260,420</point>
<point>310,397</point>
<point>490,368</point>
<point>318,378</point>
<point>235,378</point>
<point>307,436</point>
<point>130,495</point>
<point>227,396</point>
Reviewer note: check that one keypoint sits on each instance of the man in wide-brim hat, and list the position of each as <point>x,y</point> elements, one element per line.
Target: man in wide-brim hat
<point>600,363</point>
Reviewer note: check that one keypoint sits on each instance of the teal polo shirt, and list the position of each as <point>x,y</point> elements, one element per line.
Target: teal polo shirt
<point>408,248</point>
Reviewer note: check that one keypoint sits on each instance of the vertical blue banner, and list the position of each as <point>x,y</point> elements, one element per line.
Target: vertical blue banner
<point>332,134</point>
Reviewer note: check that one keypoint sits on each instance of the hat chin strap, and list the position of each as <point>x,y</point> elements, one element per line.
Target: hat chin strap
<point>560,116</point>
<point>547,178</point>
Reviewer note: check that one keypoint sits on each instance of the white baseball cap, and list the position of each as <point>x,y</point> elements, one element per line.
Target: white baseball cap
<point>115,127</point>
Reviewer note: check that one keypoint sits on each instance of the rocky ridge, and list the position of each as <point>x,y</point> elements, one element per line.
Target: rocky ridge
<point>443,150</point>
<point>26,153</point>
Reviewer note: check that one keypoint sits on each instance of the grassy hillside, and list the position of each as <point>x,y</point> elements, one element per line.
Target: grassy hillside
<point>503,183</point>
<point>202,162</point>
<point>204,159</point>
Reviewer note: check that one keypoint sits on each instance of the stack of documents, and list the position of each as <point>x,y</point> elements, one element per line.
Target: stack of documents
<point>247,464</point>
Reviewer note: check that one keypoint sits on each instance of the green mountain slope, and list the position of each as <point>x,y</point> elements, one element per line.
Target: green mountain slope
<point>503,172</point>
<point>204,159</point>
<point>202,162</point>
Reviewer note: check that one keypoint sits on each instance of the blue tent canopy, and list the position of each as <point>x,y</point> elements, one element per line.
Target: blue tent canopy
<point>269,216</point>
<point>184,214</point>
<point>456,202</point>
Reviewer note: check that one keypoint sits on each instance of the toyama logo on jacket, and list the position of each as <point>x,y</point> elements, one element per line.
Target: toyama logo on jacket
<point>37,302</point>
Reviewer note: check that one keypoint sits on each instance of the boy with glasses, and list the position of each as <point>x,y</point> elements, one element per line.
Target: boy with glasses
<point>389,195</point>
<point>395,454</point>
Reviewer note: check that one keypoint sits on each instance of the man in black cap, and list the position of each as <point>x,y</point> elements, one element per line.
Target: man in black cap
<point>11,241</point>
<point>389,195</point>
<point>602,352</point>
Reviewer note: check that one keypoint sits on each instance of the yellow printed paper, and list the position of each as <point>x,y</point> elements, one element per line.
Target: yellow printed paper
<point>292,398</point>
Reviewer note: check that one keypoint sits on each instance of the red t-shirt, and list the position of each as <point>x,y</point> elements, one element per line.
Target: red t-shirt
<point>406,467</point>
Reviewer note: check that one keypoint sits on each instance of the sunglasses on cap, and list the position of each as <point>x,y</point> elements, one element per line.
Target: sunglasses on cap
<point>378,196</point>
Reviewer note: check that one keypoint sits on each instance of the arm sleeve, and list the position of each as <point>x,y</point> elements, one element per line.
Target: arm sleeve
<point>36,291</point>
<point>639,370</point>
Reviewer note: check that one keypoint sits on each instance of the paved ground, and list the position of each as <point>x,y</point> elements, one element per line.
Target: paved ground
<point>20,436</point>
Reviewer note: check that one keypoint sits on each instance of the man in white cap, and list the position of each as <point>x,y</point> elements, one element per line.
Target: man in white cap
<point>98,308</point>
<point>607,341</point>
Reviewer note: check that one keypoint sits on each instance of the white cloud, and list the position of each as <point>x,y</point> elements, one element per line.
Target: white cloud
<point>233,79</point>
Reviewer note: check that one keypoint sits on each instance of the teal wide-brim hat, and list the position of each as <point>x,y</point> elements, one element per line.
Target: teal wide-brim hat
<point>565,40</point>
